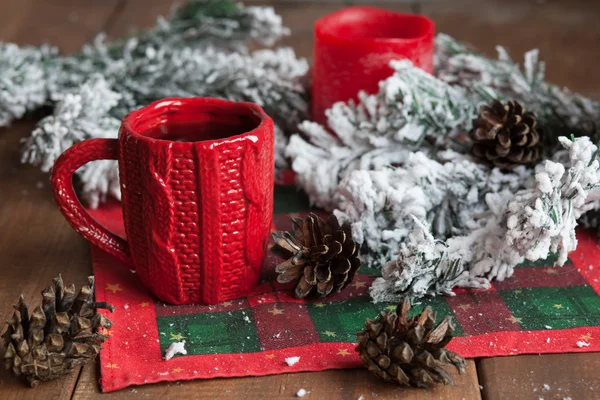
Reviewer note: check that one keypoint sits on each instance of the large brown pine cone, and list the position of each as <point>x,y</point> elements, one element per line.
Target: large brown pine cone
<point>320,255</point>
<point>408,351</point>
<point>506,135</point>
<point>61,334</point>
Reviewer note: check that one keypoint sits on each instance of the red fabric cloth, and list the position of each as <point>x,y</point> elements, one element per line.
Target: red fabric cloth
<point>133,354</point>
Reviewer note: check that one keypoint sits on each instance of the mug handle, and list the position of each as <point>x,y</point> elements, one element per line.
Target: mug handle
<point>70,206</point>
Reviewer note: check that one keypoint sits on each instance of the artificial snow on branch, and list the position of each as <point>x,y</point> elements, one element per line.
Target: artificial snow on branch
<point>32,75</point>
<point>413,110</point>
<point>22,79</point>
<point>525,226</point>
<point>561,111</point>
<point>543,219</point>
<point>219,23</point>
<point>420,269</point>
<point>80,115</point>
<point>450,197</point>
<point>201,50</point>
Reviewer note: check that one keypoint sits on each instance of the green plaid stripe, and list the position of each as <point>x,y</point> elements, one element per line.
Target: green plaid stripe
<point>208,333</point>
<point>559,308</point>
<point>288,199</point>
<point>548,261</point>
<point>340,321</point>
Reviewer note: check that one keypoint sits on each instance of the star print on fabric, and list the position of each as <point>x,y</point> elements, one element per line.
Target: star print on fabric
<point>145,304</point>
<point>177,370</point>
<point>514,319</point>
<point>391,307</point>
<point>111,366</point>
<point>464,307</point>
<point>114,287</point>
<point>558,306</point>
<point>227,303</point>
<point>329,333</point>
<point>358,284</point>
<point>320,305</point>
<point>178,337</point>
<point>587,336</point>
<point>270,356</point>
<point>343,352</point>
<point>276,311</point>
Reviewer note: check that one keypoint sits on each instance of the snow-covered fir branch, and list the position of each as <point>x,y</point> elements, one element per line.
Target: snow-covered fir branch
<point>200,50</point>
<point>81,114</point>
<point>413,110</point>
<point>198,25</point>
<point>219,23</point>
<point>22,79</point>
<point>30,76</point>
<point>543,219</point>
<point>450,196</point>
<point>270,78</point>
<point>559,110</point>
<point>539,218</point>
<point>265,77</point>
<point>420,270</point>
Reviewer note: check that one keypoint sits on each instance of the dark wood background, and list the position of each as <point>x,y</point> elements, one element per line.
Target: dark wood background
<point>36,243</point>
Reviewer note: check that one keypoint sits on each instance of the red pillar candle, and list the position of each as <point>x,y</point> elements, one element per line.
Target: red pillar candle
<point>354,46</point>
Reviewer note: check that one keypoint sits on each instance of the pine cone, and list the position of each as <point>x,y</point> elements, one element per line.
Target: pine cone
<point>506,136</point>
<point>60,335</point>
<point>408,351</point>
<point>321,255</point>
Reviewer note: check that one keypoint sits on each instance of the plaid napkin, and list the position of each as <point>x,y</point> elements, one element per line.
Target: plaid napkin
<point>541,309</point>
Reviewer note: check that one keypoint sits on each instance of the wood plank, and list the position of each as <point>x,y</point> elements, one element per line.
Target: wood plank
<point>63,23</point>
<point>331,385</point>
<point>548,376</point>
<point>346,384</point>
<point>139,14</point>
<point>37,244</point>
<point>566,32</point>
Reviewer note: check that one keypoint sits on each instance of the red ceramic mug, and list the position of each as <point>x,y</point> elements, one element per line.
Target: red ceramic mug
<point>353,48</point>
<point>197,195</point>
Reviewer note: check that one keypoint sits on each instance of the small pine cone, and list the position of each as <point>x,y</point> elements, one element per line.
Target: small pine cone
<point>320,255</point>
<point>506,135</point>
<point>409,351</point>
<point>59,335</point>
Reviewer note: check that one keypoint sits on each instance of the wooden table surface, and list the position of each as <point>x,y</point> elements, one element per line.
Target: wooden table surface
<point>36,243</point>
